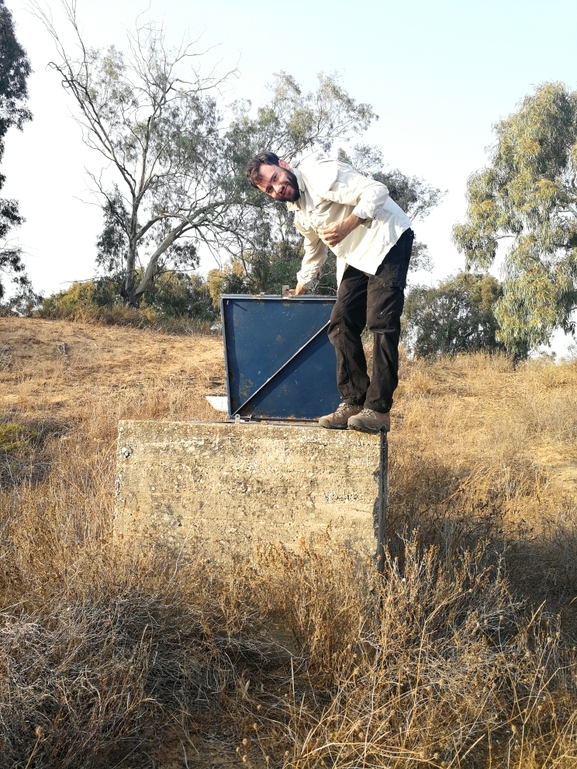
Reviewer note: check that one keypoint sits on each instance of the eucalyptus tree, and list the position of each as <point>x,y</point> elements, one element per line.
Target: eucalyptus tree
<point>175,154</point>
<point>526,199</point>
<point>14,73</point>
<point>457,316</point>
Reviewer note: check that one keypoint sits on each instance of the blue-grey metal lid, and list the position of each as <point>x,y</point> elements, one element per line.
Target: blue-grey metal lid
<point>280,364</point>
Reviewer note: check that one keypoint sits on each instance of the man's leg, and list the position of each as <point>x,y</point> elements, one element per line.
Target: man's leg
<point>347,322</point>
<point>385,324</point>
<point>385,301</point>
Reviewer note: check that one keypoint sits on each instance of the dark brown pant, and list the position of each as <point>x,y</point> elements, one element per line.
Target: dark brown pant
<point>375,301</point>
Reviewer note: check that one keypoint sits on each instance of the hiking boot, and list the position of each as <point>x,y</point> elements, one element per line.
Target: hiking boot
<point>338,419</point>
<point>369,421</point>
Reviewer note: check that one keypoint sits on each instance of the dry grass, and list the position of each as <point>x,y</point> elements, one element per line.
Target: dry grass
<point>461,655</point>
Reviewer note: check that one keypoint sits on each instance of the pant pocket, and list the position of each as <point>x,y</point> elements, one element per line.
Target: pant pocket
<point>392,273</point>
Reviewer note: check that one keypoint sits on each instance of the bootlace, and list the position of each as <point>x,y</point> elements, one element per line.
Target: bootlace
<point>342,409</point>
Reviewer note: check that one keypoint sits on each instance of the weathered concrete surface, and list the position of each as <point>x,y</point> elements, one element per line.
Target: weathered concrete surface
<point>236,486</point>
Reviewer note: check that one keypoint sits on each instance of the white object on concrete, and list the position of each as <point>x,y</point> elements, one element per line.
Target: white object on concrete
<point>218,402</point>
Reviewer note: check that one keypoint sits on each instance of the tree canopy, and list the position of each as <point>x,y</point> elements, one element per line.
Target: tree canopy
<point>177,167</point>
<point>14,72</point>
<point>174,183</point>
<point>527,199</point>
<point>455,317</point>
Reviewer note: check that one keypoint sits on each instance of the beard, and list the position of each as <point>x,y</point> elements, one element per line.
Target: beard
<point>292,180</point>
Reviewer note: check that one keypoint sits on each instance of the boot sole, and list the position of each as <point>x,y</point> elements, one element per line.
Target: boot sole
<point>370,430</point>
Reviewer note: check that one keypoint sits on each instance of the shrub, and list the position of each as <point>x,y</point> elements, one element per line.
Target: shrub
<point>176,303</point>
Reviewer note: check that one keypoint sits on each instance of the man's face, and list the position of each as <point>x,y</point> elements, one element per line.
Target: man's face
<point>279,182</point>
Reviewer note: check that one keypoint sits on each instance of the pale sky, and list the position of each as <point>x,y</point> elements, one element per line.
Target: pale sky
<point>439,75</point>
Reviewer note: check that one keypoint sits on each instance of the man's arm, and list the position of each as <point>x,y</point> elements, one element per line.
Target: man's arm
<point>331,236</point>
<point>366,195</point>
<point>338,231</point>
<point>313,259</point>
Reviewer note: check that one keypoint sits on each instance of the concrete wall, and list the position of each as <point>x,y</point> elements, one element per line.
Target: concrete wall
<point>233,487</point>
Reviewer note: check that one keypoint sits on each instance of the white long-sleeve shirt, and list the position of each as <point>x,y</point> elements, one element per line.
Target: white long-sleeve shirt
<point>329,192</point>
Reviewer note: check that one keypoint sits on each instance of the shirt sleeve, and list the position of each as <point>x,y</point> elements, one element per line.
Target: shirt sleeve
<point>315,254</point>
<point>354,189</point>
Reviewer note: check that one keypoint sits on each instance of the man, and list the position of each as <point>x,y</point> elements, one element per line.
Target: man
<point>371,235</point>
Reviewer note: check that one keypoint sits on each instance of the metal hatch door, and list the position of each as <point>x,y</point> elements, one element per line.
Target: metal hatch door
<point>279,361</point>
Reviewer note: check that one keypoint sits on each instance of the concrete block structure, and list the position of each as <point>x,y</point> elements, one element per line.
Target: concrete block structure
<point>232,487</point>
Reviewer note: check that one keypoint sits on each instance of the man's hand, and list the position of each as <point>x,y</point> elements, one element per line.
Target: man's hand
<point>296,291</point>
<point>337,232</point>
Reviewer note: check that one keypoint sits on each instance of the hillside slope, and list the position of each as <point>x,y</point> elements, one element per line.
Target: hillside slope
<point>56,368</point>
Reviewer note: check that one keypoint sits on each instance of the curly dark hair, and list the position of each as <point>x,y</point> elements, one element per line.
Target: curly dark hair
<point>253,167</point>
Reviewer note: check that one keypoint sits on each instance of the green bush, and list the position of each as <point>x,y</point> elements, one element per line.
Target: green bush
<point>176,302</point>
